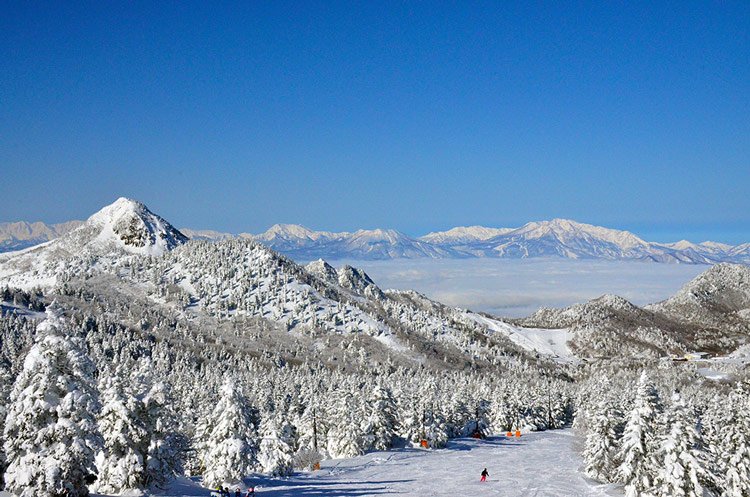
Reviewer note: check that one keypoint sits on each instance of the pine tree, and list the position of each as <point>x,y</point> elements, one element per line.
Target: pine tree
<point>276,446</point>
<point>685,471</point>
<point>229,439</point>
<point>50,432</point>
<point>166,442</point>
<point>382,418</point>
<point>737,445</point>
<point>122,462</point>
<point>345,434</point>
<point>639,442</point>
<point>600,452</point>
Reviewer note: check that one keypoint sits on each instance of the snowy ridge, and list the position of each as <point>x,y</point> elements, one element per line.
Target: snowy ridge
<point>463,234</point>
<point>718,297</point>
<point>556,238</point>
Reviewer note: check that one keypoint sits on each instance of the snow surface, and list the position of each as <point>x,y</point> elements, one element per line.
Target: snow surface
<point>538,464</point>
<point>548,342</point>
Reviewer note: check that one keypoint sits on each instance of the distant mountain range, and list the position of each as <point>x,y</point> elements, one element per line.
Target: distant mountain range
<point>555,238</point>
<point>21,235</point>
<point>126,253</point>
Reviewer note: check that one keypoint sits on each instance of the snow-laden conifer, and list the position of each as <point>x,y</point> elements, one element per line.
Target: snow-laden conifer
<point>229,443</point>
<point>122,423</point>
<point>345,437</point>
<point>685,470</point>
<point>51,436</point>
<point>736,446</point>
<point>602,441</point>
<point>167,444</point>
<point>276,445</point>
<point>639,442</point>
<point>382,418</point>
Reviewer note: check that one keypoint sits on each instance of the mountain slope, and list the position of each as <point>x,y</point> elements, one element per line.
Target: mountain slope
<point>719,297</point>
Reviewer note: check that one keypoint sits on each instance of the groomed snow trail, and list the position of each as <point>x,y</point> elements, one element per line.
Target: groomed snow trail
<point>536,465</point>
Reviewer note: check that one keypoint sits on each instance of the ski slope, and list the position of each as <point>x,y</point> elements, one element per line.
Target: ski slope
<point>536,465</point>
<point>553,343</point>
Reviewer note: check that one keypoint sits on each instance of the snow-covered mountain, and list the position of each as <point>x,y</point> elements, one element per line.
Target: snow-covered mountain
<point>463,235</point>
<point>21,235</point>
<point>302,243</point>
<point>555,238</point>
<point>710,314</point>
<point>573,240</point>
<point>123,228</point>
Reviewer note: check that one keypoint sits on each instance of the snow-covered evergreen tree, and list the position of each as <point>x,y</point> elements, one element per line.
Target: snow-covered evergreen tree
<point>639,442</point>
<point>228,444</point>
<point>166,442</point>
<point>276,445</point>
<point>685,471</point>
<point>50,432</point>
<point>345,436</point>
<point>122,462</point>
<point>736,446</point>
<point>382,418</point>
<point>600,453</point>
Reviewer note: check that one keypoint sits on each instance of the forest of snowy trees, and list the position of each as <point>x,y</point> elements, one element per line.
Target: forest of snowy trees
<point>665,432</point>
<point>136,414</point>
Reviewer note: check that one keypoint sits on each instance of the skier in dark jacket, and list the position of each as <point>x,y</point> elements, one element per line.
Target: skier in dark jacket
<point>485,474</point>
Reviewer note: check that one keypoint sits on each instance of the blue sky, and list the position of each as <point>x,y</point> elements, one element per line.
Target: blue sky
<point>411,115</point>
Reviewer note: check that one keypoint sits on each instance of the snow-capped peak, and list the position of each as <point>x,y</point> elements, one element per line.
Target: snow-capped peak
<point>565,229</point>
<point>289,232</point>
<point>130,225</point>
<point>464,234</point>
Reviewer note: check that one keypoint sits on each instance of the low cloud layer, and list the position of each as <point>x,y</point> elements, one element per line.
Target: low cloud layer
<point>516,288</point>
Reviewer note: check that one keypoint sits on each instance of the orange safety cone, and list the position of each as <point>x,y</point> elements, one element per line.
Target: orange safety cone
<point>424,444</point>
<point>509,434</point>
<point>518,433</point>
<point>316,466</point>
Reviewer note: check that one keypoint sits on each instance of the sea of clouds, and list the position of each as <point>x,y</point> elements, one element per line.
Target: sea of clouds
<point>518,287</point>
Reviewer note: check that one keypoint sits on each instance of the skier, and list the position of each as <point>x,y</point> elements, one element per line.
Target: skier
<point>238,492</point>
<point>485,474</point>
<point>250,491</point>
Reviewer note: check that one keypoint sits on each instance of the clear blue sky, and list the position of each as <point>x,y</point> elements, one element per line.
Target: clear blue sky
<point>411,115</point>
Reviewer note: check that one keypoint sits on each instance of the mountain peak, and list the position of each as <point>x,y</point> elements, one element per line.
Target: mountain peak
<point>131,225</point>
<point>464,234</point>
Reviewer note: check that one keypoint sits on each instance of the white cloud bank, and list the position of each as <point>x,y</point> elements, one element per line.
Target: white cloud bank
<point>514,288</point>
